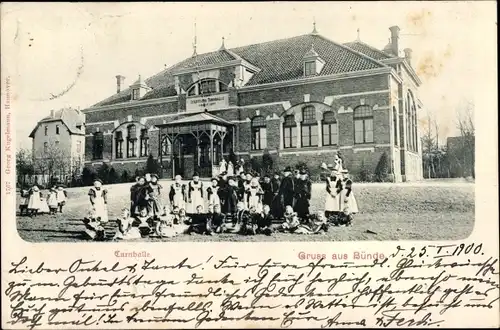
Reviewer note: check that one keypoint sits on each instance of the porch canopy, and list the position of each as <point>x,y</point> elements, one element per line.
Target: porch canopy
<point>201,126</point>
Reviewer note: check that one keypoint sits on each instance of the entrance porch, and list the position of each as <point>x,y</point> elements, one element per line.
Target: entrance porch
<point>195,143</point>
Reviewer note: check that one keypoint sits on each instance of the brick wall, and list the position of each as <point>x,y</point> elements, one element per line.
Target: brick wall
<point>137,111</point>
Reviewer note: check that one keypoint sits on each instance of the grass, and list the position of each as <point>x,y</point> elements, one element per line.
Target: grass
<point>431,210</point>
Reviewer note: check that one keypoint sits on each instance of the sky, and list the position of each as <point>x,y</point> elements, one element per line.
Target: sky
<point>68,54</point>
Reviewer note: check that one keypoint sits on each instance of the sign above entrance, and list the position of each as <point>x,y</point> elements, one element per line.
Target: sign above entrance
<point>213,102</point>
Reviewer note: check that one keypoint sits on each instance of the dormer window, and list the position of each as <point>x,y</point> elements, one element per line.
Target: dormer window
<point>135,94</point>
<point>206,87</point>
<point>310,68</point>
<point>313,63</point>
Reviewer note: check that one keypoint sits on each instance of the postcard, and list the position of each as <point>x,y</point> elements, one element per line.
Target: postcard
<point>249,165</point>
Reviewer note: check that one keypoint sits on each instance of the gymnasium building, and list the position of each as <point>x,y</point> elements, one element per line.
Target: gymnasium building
<point>300,99</point>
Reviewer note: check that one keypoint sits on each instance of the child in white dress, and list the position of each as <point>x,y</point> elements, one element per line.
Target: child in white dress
<point>99,201</point>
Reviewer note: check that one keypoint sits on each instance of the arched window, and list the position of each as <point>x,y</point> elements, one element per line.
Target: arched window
<point>46,129</point>
<point>166,145</point>
<point>131,141</point>
<point>289,132</point>
<point>330,129</point>
<point>45,147</point>
<point>119,144</point>
<point>395,125</point>
<point>363,124</point>
<point>408,122</point>
<point>206,86</point>
<point>259,133</point>
<point>98,145</point>
<point>309,127</point>
<point>144,142</point>
<point>57,129</point>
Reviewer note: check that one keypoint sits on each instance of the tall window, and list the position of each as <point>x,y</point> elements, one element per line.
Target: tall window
<point>289,132</point>
<point>131,141</point>
<point>395,125</point>
<point>144,142</point>
<point>78,147</point>
<point>135,94</point>
<point>363,124</point>
<point>98,145</point>
<point>57,129</point>
<point>310,68</point>
<point>259,134</point>
<point>165,145</point>
<point>330,129</point>
<point>119,144</point>
<point>46,129</point>
<point>45,147</point>
<point>309,127</point>
<point>208,86</point>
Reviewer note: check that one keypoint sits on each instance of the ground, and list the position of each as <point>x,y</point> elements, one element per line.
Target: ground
<point>429,210</point>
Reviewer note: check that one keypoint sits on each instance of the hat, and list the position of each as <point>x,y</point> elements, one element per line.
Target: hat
<point>330,166</point>
<point>178,177</point>
<point>214,179</point>
<point>267,176</point>
<point>154,176</point>
<point>223,173</point>
<point>98,180</point>
<point>195,174</point>
<point>345,171</point>
<point>288,169</point>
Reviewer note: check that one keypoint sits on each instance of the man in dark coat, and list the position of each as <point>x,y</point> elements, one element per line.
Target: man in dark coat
<point>286,191</point>
<point>267,187</point>
<point>275,206</point>
<point>303,195</point>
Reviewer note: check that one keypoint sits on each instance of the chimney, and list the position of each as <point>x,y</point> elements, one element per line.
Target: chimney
<point>408,52</point>
<point>52,113</point>
<point>119,83</point>
<point>395,39</point>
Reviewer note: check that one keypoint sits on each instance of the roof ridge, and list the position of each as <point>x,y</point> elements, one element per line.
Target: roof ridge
<point>371,47</point>
<point>267,42</point>
<point>353,51</point>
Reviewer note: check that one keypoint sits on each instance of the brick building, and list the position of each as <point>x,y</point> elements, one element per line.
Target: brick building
<point>301,99</point>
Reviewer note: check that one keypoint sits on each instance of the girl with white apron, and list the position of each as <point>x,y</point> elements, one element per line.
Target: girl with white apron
<point>333,197</point>
<point>222,166</point>
<point>177,194</point>
<point>52,201</point>
<point>195,194</point>
<point>213,195</point>
<point>34,200</point>
<point>230,169</point>
<point>254,196</point>
<point>61,198</point>
<point>99,201</point>
<point>348,201</point>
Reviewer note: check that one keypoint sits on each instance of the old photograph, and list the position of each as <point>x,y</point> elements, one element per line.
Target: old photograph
<point>167,122</point>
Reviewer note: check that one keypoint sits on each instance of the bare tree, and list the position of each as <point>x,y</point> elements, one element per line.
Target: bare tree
<point>52,161</point>
<point>466,127</point>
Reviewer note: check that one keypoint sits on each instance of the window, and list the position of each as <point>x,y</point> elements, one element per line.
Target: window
<point>119,144</point>
<point>330,129</point>
<point>363,124</point>
<point>98,145</point>
<point>207,86</point>
<point>135,94</point>
<point>46,129</point>
<point>259,133</point>
<point>57,129</point>
<point>45,147</point>
<point>309,127</point>
<point>144,142</point>
<point>78,147</point>
<point>310,68</point>
<point>57,143</point>
<point>395,124</point>
<point>165,145</point>
<point>131,141</point>
<point>289,132</point>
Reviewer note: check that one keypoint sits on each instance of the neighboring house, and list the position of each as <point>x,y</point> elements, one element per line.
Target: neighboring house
<point>58,145</point>
<point>302,99</point>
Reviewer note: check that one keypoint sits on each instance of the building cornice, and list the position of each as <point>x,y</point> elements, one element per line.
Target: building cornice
<point>399,60</point>
<point>132,104</point>
<point>317,79</point>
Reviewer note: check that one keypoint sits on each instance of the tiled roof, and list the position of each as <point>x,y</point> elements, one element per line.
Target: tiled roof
<point>72,118</point>
<point>278,60</point>
<point>198,118</point>
<point>368,50</point>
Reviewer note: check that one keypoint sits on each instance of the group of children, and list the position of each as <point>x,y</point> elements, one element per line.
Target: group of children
<point>33,202</point>
<point>245,205</point>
